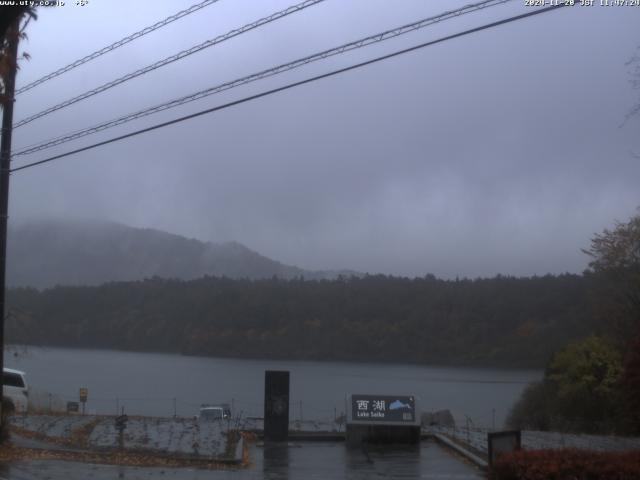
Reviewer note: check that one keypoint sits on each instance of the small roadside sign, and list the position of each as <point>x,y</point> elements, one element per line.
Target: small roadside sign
<point>503,442</point>
<point>84,394</point>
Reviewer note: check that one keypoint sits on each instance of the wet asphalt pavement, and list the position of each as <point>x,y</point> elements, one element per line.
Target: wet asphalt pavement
<point>300,460</point>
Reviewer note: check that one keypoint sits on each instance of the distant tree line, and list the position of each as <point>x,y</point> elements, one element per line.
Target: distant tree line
<point>501,321</point>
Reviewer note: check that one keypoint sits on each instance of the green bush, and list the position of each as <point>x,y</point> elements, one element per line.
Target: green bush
<point>581,392</point>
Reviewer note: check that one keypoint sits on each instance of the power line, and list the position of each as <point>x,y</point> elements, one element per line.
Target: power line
<point>118,44</point>
<point>294,84</point>
<point>363,42</point>
<point>173,58</point>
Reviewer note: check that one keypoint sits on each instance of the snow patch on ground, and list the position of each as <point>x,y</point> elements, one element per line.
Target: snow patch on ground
<point>534,440</point>
<point>184,436</point>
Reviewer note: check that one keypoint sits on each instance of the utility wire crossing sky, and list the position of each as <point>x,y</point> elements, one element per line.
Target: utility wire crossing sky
<point>292,85</point>
<point>497,152</point>
<point>118,44</point>
<point>363,42</point>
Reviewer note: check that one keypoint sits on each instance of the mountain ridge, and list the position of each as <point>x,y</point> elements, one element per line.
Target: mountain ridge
<point>45,253</point>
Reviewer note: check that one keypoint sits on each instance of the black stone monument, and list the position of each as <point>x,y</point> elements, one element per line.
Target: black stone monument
<point>276,406</point>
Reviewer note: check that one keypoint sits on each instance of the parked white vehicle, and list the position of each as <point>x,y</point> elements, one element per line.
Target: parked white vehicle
<point>214,412</point>
<point>15,389</point>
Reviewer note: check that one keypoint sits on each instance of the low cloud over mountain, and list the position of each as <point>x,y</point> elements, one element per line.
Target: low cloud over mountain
<point>47,253</point>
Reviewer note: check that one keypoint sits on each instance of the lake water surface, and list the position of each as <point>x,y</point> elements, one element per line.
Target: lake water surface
<point>156,384</point>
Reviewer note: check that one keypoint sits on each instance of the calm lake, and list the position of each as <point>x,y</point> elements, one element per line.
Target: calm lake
<point>159,384</point>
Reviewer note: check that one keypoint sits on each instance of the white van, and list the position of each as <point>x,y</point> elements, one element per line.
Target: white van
<point>214,412</point>
<point>15,389</point>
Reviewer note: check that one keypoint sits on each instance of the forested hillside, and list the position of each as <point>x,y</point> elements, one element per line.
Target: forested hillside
<point>73,252</point>
<point>500,321</point>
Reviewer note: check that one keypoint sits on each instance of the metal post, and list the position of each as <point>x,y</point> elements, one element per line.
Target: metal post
<point>468,434</point>
<point>346,413</point>
<point>117,405</point>
<point>175,408</point>
<point>13,36</point>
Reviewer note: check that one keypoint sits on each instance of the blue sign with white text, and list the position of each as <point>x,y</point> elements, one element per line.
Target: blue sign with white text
<point>383,408</point>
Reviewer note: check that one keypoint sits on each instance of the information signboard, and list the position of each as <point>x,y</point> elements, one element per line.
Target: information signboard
<point>383,408</point>
<point>84,394</point>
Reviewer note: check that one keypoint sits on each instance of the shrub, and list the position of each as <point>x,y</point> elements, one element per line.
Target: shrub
<point>534,410</point>
<point>581,392</point>
<point>567,464</point>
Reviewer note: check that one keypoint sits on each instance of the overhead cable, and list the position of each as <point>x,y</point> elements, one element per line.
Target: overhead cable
<point>293,85</point>
<point>363,42</point>
<point>118,44</point>
<point>173,58</point>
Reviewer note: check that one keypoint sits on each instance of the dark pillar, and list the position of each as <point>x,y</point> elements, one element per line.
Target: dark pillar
<point>12,37</point>
<point>276,406</point>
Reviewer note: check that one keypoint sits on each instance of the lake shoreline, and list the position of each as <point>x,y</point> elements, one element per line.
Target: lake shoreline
<point>160,384</point>
<point>284,358</point>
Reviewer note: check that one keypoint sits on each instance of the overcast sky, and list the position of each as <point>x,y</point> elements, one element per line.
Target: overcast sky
<point>499,152</point>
